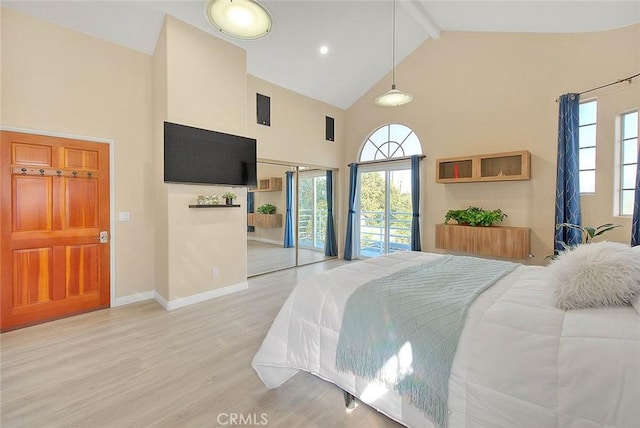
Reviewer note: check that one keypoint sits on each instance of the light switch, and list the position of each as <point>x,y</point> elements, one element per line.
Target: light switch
<point>124,216</point>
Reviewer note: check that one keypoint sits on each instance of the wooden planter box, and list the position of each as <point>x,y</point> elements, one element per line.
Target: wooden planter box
<point>264,220</point>
<point>494,241</point>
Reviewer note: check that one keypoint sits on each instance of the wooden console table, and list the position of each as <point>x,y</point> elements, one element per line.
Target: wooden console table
<point>494,241</point>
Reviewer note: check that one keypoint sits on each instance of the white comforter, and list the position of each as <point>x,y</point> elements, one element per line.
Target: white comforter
<point>520,361</point>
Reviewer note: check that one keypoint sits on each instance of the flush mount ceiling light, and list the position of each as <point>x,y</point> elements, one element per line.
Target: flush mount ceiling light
<point>243,19</point>
<point>393,97</point>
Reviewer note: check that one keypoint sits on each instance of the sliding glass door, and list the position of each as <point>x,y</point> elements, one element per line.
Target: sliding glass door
<point>384,209</point>
<point>312,210</point>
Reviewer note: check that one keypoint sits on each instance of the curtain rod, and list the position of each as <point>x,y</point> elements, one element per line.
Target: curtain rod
<point>386,160</point>
<point>627,79</point>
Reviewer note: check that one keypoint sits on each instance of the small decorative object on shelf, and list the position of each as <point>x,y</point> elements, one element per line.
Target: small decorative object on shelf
<point>456,171</point>
<point>229,197</point>
<point>208,200</point>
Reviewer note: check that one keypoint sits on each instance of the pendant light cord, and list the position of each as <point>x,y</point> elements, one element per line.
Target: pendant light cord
<point>393,48</point>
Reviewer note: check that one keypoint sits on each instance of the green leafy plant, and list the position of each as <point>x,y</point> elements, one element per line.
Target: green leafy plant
<point>474,216</point>
<point>266,209</point>
<point>588,232</point>
<point>229,195</point>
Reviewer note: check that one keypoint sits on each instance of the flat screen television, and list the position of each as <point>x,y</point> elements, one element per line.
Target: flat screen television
<point>199,156</point>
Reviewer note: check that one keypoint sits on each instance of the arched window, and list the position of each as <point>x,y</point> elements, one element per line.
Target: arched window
<point>391,141</point>
<point>383,199</point>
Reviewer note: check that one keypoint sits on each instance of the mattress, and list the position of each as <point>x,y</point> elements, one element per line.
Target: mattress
<point>520,361</point>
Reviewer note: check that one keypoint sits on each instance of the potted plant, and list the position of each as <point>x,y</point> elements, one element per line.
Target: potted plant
<point>229,197</point>
<point>266,209</point>
<point>474,216</point>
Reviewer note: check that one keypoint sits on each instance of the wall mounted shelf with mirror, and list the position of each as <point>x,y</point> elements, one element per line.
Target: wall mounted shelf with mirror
<point>271,184</point>
<point>267,221</point>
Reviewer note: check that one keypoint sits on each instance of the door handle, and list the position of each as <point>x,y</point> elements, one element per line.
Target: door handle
<point>104,237</point>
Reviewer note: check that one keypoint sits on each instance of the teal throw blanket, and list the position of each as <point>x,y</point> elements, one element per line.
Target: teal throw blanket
<point>402,330</point>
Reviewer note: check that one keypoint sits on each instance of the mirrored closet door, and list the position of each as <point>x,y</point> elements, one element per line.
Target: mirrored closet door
<point>287,218</point>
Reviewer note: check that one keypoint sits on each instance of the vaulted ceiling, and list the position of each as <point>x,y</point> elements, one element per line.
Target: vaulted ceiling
<point>357,33</point>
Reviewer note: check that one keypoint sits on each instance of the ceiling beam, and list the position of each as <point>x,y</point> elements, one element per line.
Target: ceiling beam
<point>422,17</point>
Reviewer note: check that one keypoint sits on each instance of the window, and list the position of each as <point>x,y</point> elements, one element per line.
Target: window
<point>587,152</point>
<point>391,141</point>
<point>384,200</point>
<point>628,160</point>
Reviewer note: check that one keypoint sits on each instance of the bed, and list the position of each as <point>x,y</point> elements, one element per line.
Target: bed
<point>520,361</point>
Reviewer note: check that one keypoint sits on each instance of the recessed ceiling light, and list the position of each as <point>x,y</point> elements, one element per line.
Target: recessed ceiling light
<point>324,50</point>
<point>243,19</point>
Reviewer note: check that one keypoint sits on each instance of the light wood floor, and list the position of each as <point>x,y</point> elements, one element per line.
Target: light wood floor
<point>141,366</point>
<point>263,257</point>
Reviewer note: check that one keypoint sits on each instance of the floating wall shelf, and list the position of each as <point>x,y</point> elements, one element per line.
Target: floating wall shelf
<point>271,184</point>
<point>507,166</point>
<point>214,206</point>
<point>496,241</point>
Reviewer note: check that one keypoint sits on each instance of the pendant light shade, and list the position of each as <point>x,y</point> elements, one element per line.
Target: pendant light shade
<point>393,97</point>
<point>242,19</point>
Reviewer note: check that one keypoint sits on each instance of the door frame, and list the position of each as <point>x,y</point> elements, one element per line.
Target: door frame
<point>112,207</point>
<point>387,167</point>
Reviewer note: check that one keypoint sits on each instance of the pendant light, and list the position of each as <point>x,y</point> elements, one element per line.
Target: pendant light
<point>393,97</point>
<point>242,19</point>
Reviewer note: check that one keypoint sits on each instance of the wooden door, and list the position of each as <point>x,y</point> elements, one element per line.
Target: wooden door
<point>55,204</point>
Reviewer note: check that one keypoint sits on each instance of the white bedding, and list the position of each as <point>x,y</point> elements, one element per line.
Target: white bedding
<point>520,361</point>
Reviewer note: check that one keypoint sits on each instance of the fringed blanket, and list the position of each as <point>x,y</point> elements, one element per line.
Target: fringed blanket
<point>402,330</point>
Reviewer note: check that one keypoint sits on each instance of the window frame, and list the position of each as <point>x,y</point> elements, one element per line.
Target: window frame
<point>622,164</point>
<point>380,144</point>
<point>594,146</point>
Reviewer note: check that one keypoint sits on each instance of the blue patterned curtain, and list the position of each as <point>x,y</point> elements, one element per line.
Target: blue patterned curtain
<point>567,178</point>
<point>415,203</point>
<point>330,246</point>
<point>635,222</point>
<point>348,243</point>
<point>288,221</point>
<point>250,209</point>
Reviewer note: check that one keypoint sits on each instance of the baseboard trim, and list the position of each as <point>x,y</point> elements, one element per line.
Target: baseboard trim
<point>266,241</point>
<point>160,299</point>
<point>201,297</point>
<point>134,298</point>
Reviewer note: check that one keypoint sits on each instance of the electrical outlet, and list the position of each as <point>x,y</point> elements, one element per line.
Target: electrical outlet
<point>215,271</point>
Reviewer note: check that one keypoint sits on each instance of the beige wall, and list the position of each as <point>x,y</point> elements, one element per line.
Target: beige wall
<point>206,88</point>
<point>474,93</point>
<point>160,114</point>
<point>492,92</point>
<point>61,81</point>
<point>58,80</point>
<point>297,131</point>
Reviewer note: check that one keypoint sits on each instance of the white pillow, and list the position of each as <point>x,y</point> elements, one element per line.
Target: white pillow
<point>635,302</point>
<point>598,274</point>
